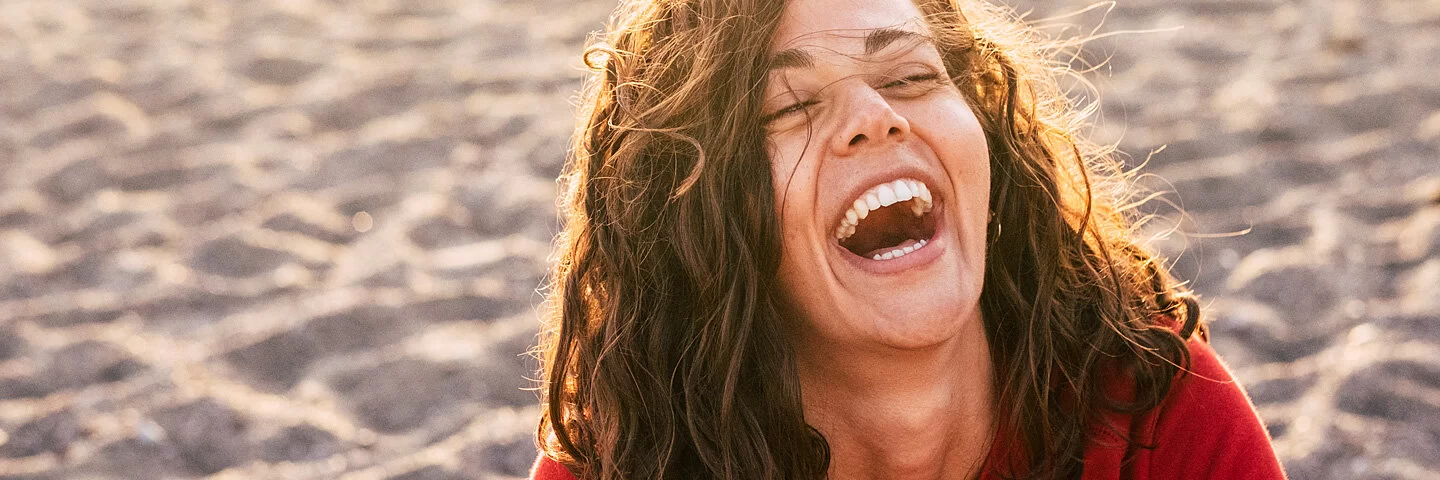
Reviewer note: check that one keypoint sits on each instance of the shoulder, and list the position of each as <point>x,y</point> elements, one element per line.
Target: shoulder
<point>547,468</point>
<point>1207,427</point>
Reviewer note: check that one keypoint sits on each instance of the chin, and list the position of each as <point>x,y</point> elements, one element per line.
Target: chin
<point>921,316</point>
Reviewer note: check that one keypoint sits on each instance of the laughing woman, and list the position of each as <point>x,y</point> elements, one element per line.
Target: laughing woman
<point>856,239</point>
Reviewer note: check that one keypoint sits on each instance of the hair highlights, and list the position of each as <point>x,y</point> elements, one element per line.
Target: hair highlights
<point>664,349</point>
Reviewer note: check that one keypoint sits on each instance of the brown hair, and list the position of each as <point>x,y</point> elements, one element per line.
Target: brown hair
<point>663,348</point>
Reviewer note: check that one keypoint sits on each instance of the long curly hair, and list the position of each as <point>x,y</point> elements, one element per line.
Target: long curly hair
<point>664,350</point>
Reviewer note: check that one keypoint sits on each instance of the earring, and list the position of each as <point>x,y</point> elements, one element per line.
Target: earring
<point>998,226</point>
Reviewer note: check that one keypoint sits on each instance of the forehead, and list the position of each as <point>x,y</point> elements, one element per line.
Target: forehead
<point>824,22</point>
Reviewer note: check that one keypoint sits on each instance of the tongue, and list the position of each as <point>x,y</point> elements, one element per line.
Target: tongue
<point>882,250</point>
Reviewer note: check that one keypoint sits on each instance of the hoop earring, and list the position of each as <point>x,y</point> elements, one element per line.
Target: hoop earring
<point>998,227</point>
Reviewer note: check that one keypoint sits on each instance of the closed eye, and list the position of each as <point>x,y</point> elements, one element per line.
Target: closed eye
<point>912,80</point>
<point>793,108</point>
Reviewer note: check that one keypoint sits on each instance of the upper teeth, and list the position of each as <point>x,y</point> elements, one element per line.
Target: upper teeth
<point>884,195</point>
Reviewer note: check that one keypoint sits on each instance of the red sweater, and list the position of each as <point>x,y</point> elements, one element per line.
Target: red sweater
<point>1206,428</point>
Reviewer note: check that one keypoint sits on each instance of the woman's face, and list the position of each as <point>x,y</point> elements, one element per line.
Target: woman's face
<point>881,176</point>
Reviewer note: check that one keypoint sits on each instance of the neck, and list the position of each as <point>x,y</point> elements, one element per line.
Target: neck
<point>902,414</point>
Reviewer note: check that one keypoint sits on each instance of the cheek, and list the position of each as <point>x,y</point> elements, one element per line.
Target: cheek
<point>955,134</point>
<point>789,178</point>
<point>793,181</point>
<point>958,139</point>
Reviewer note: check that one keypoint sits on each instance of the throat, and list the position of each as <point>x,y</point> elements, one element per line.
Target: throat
<point>911,414</point>
<point>938,444</point>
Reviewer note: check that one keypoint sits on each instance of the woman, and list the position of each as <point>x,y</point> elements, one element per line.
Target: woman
<point>862,239</point>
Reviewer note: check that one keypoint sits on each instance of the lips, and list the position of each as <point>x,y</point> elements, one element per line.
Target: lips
<point>888,221</point>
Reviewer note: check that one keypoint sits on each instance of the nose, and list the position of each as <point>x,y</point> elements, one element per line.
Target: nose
<point>867,122</point>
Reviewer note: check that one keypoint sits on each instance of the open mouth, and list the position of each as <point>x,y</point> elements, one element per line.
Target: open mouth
<point>888,221</point>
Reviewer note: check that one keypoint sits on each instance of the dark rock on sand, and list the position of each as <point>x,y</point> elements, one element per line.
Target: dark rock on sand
<point>50,433</point>
<point>300,443</point>
<point>208,435</point>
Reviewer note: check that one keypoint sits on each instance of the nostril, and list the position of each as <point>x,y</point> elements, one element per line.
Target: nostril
<point>894,131</point>
<point>858,139</point>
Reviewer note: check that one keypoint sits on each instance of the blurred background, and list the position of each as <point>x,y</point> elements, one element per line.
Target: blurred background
<point>303,239</point>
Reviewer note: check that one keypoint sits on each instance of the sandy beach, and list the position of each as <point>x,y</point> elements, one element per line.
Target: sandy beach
<point>308,239</point>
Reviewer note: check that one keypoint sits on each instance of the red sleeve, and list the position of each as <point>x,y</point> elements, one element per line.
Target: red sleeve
<point>1207,427</point>
<point>549,469</point>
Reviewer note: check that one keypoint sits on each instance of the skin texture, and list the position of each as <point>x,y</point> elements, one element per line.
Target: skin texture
<point>894,364</point>
<point>705,325</point>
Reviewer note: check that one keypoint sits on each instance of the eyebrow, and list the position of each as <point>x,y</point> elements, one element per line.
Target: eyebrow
<point>875,41</point>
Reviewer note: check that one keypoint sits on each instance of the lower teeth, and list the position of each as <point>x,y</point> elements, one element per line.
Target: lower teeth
<point>899,252</point>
